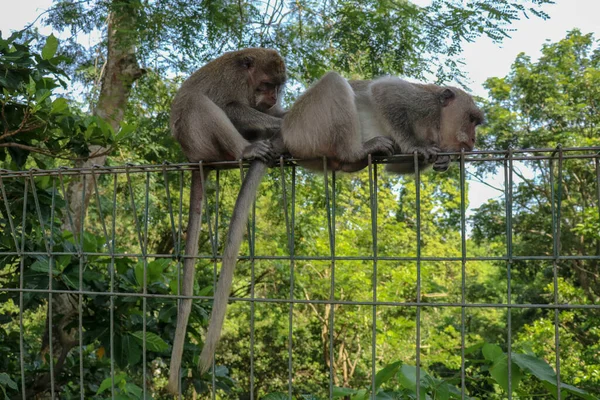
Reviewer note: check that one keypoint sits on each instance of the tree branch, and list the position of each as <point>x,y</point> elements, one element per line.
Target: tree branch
<point>54,155</point>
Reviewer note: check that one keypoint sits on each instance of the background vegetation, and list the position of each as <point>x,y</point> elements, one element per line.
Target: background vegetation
<point>68,104</point>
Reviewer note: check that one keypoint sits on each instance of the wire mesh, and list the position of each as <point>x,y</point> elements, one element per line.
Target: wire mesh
<point>130,203</point>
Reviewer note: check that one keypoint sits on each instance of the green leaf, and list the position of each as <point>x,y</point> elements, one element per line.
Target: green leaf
<point>91,242</point>
<point>63,261</point>
<point>133,389</point>
<point>440,389</point>
<point>59,105</point>
<point>42,95</point>
<point>9,80</point>
<point>153,341</point>
<point>452,390</point>
<point>544,372</point>
<point>129,352</point>
<point>6,381</point>
<point>107,383</point>
<point>70,282</point>
<point>442,392</point>
<point>276,396</point>
<point>492,352</point>
<point>125,131</point>
<point>535,366</point>
<point>153,272</point>
<point>474,348</point>
<point>361,394</point>
<point>408,379</point>
<point>386,395</point>
<point>386,373</point>
<point>343,392</point>
<point>31,86</point>
<point>221,371</point>
<point>499,372</point>
<point>105,128</point>
<point>577,392</point>
<point>87,134</point>
<point>40,266</point>
<point>50,47</point>
<point>43,182</point>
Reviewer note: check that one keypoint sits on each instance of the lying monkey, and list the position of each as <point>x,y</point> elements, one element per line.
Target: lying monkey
<point>344,115</point>
<point>345,121</point>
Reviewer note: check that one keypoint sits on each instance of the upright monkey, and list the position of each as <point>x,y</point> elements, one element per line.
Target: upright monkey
<point>345,121</point>
<point>227,110</point>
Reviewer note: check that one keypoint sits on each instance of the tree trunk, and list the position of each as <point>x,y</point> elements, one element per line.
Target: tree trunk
<point>120,72</point>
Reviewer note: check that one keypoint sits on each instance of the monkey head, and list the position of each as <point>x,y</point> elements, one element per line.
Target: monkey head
<point>266,76</point>
<point>458,120</point>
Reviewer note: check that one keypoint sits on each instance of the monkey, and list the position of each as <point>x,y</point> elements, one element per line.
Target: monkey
<point>226,110</point>
<point>339,114</point>
<point>344,122</point>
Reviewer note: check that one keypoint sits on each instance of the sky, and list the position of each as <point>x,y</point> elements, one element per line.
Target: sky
<point>482,58</point>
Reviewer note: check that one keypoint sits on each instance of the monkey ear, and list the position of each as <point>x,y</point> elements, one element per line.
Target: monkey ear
<point>446,96</point>
<point>247,62</point>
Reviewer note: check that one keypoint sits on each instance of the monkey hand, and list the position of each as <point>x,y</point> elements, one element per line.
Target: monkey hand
<point>275,128</point>
<point>430,153</point>
<point>442,163</point>
<point>380,145</point>
<point>260,150</point>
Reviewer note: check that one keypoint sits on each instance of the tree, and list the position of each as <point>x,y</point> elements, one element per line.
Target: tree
<point>545,104</point>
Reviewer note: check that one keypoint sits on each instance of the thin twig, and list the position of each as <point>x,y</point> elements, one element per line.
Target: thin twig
<point>54,155</point>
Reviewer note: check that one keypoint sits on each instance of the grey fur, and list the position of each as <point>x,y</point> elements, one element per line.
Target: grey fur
<point>345,121</point>
<point>217,114</point>
<point>232,247</point>
<point>324,122</point>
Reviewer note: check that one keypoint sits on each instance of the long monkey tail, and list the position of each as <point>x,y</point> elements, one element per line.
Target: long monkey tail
<point>232,247</point>
<point>191,251</point>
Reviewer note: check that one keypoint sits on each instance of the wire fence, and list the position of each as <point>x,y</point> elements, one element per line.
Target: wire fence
<point>50,249</point>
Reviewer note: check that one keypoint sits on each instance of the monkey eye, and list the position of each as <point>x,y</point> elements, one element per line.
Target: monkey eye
<point>265,87</point>
<point>474,119</point>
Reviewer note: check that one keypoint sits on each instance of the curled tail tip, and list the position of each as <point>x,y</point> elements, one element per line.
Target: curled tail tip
<point>173,385</point>
<point>205,362</point>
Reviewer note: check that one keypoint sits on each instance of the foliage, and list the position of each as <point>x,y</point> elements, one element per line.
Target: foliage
<point>546,104</point>
<point>35,121</point>
<point>6,383</point>
<point>366,38</point>
<point>398,380</point>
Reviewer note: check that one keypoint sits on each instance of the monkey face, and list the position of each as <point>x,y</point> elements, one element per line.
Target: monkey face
<point>266,95</point>
<point>459,119</point>
<point>266,76</point>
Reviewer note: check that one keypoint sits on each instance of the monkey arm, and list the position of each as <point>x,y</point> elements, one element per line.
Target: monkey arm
<point>413,112</point>
<point>246,118</point>
<point>404,105</point>
<point>378,146</point>
<point>277,111</point>
<point>278,144</point>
